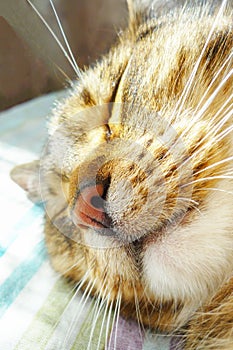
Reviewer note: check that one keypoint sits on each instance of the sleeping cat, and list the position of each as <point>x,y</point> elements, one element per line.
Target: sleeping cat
<point>136,176</point>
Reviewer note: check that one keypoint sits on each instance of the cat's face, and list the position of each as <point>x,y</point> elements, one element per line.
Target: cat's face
<point>134,175</point>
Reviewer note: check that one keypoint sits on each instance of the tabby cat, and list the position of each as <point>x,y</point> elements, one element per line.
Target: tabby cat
<point>137,173</point>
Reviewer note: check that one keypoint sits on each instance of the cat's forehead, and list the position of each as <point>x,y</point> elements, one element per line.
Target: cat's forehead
<point>164,57</point>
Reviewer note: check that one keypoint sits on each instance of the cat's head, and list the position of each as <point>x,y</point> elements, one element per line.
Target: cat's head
<point>136,175</point>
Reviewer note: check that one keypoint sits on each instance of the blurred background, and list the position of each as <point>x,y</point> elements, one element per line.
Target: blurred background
<point>31,63</point>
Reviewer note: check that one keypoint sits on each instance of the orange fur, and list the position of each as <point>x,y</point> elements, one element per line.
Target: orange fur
<point>150,117</point>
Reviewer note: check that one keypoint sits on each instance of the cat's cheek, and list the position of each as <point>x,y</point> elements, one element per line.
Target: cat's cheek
<point>191,263</point>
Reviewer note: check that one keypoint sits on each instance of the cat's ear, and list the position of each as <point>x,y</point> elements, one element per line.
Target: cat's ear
<point>27,177</point>
<point>142,10</point>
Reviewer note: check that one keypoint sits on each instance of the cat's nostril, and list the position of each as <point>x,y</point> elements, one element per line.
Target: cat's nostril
<point>92,197</point>
<point>97,202</point>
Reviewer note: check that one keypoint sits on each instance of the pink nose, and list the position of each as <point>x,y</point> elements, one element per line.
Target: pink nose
<point>89,207</point>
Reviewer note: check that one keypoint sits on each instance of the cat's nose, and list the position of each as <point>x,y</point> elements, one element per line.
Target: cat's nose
<point>89,207</point>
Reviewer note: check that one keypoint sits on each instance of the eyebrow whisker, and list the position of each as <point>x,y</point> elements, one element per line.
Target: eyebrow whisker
<point>65,38</point>
<point>55,37</point>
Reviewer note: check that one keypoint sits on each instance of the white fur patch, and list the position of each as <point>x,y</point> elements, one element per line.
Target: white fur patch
<point>192,261</point>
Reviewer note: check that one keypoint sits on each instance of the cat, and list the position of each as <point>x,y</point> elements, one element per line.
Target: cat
<point>136,176</point>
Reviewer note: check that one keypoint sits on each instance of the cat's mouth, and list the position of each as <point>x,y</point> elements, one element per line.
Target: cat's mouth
<point>89,212</point>
<point>117,198</point>
<point>85,222</point>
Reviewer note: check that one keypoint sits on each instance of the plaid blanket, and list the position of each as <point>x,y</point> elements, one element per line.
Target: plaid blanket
<point>38,308</point>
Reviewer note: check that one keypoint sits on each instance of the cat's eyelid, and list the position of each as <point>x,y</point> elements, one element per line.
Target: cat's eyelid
<point>108,132</point>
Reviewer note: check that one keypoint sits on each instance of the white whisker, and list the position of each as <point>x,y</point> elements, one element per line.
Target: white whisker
<point>214,140</point>
<point>225,132</point>
<point>189,83</point>
<point>188,200</point>
<point>207,179</point>
<point>214,94</point>
<point>215,128</point>
<point>191,201</point>
<point>103,320</point>
<point>68,79</point>
<point>214,165</point>
<point>113,320</point>
<point>97,310</point>
<point>82,303</point>
<point>215,189</point>
<point>213,80</point>
<point>230,172</point>
<point>74,265</point>
<point>118,307</point>
<point>65,38</point>
<point>224,119</point>
<point>80,284</point>
<point>54,36</point>
<point>108,325</point>
<point>138,313</point>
